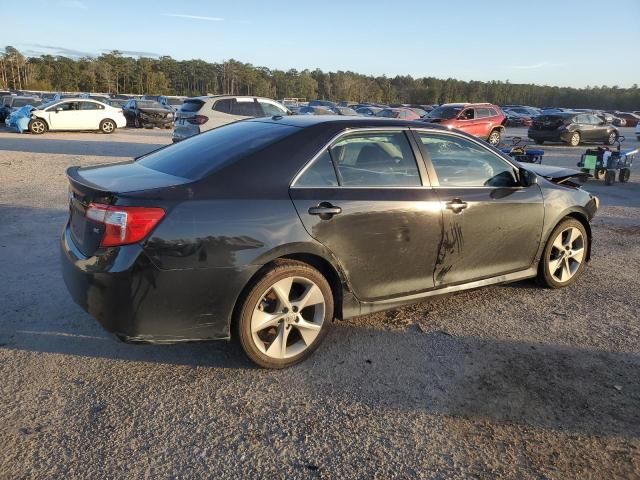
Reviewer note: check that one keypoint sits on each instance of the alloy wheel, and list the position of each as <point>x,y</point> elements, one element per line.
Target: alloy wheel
<point>567,254</point>
<point>575,139</point>
<point>108,127</point>
<point>288,317</point>
<point>612,138</point>
<point>38,127</point>
<point>494,138</point>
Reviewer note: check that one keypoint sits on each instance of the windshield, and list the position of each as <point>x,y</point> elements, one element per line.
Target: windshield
<point>203,154</point>
<point>47,104</point>
<point>148,104</point>
<point>444,113</point>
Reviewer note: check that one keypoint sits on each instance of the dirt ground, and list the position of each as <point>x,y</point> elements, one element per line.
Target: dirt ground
<point>504,382</point>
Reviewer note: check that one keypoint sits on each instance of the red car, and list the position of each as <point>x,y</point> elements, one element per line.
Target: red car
<point>483,120</point>
<point>401,113</point>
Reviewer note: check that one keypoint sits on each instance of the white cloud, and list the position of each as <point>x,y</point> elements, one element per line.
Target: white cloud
<point>72,4</point>
<point>534,66</point>
<point>193,17</point>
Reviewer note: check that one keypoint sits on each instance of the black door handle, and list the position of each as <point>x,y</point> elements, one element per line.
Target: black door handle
<point>456,205</point>
<point>325,210</point>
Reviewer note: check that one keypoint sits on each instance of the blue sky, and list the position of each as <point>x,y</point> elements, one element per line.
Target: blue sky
<point>561,42</point>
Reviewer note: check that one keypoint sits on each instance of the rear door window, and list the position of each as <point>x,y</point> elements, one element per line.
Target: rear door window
<point>223,106</point>
<point>245,107</point>
<point>203,154</point>
<point>375,159</point>
<point>320,174</point>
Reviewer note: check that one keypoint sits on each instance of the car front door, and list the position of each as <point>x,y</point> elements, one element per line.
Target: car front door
<point>367,200</point>
<point>63,116</point>
<point>600,129</point>
<point>467,121</point>
<point>492,225</point>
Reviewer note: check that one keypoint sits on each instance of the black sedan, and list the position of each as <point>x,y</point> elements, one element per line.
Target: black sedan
<point>266,230</point>
<point>572,128</point>
<point>148,114</point>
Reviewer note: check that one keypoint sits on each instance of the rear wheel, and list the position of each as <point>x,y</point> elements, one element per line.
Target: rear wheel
<point>494,137</point>
<point>611,139</point>
<point>37,126</point>
<point>574,140</point>
<point>610,177</point>
<point>285,315</point>
<point>564,256</point>
<point>624,175</point>
<point>107,126</point>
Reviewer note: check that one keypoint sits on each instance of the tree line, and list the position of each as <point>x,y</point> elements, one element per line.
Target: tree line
<point>115,73</point>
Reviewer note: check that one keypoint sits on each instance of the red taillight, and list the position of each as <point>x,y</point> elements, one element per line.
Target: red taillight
<point>198,120</point>
<point>124,225</point>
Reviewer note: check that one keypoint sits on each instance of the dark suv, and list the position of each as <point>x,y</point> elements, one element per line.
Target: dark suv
<point>572,128</point>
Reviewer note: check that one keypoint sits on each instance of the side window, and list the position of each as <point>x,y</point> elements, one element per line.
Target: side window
<point>320,174</point>
<point>459,162</point>
<point>376,159</point>
<point>468,114</point>
<point>483,113</point>
<point>582,119</point>
<point>68,106</point>
<point>89,106</point>
<point>223,106</point>
<point>595,120</point>
<point>246,107</point>
<point>269,109</point>
<point>492,112</point>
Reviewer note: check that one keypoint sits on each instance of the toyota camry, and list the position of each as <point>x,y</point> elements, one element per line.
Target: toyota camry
<point>268,229</point>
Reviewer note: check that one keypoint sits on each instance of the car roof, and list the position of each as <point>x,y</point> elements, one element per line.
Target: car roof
<point>467,105</point>
<point>304,121</point>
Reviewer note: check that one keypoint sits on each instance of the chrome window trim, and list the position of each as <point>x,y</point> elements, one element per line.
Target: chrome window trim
<point>349,131</point>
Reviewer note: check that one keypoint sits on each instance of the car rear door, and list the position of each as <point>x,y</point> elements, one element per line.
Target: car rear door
<point>492,225</point>
<point>587,130</point>
<point>367,199</point>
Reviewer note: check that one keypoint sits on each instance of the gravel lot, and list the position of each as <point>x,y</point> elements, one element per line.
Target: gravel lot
<point>505,382</point>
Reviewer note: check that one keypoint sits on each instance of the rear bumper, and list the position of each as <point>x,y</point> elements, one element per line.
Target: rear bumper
<point>549,135</point>
<point>139,302</point>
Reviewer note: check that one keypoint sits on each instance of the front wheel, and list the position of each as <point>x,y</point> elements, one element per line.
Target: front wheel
<point>564,256</point>
<point>574,140</point>
<point>611,139</point>
<point>37,126</point>
<point>495,137</point>
<point>107,126</point>
<point>285,315</point>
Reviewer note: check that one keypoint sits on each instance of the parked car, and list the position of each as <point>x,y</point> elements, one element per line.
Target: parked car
<point>523,110</point>
<point>344,111</point>
<point>308,110</point>
<point>347,104</point>
<point>572,128</point>
<point>631,119</point>
<point>322,103</point>
<point>19,119</point>
<point>117,102</point>
<point>261,230</point>
<point>401,113</point>
<point>148,114</point>
<point>515,119</point>
<point>482,120</point>
<point>368,111</point>
<point>11,103</point>
<point>172,101</point>
<point>200,114</point>
<point>76,114</point>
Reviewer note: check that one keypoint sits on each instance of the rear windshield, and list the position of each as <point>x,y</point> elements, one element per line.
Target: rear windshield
<point>192,105</point>
<point>174,101</point>
<point>445,113</point>
<point>202,154</point>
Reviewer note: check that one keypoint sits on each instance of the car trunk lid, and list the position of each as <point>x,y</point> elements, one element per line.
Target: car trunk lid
<point>549,122</point>
<point>107,185</point>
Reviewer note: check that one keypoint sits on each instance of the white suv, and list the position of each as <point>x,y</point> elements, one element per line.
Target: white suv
<point>199,114</point>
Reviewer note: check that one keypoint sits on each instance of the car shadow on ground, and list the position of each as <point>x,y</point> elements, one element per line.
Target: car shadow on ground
<point>104,148</point>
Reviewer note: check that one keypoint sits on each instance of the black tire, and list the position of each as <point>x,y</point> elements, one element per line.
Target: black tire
<point>611,139</point>
<point>108,126</point>
<point>254,294</point>
<point>624,175</point>
<point>610,177</point>
<point>599,174</point>
<point>575,139</point>
<point>37,126</point>
<point>495,137</point>
<point>545,277</point>
<point>539,142</point>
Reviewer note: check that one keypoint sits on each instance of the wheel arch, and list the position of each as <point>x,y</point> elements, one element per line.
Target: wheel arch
<point>46,122</point>
<point>575,214</point>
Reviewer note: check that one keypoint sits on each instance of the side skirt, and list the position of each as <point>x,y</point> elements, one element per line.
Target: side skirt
<point>378,306</point>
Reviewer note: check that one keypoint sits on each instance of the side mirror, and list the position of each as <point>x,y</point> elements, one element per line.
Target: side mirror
<point>527,178</point>
<point>58,109</point>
